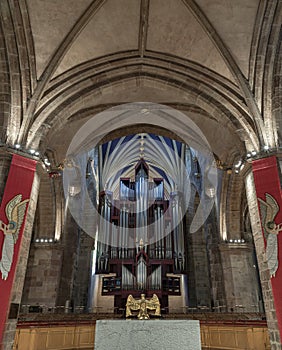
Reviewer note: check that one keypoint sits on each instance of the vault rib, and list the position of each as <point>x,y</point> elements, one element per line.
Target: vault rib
<point>143,26</point>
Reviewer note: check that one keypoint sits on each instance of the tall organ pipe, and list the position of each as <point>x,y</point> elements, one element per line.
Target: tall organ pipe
<point>162,234</point>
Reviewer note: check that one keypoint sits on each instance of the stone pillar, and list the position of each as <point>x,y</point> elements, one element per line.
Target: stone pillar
<point>81,282</point>
<point>43,275</point>
<point>240,277</point>
<point>69,242</point>
<point>262,263</point>
<point>198,270</point>
<point>16,292</point>
<point>5,161</point>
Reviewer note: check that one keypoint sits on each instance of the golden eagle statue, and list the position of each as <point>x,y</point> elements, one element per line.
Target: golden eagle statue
<point>143,305</point>
<point>15,212</point>
<point>269,210</point>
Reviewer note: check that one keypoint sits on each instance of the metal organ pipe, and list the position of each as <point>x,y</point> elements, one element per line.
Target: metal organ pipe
<point>123,228</point>
<point>175,236</point>
<point>108,214</point>
<point>137,214</point>
<point>168,242</point>
<point>126,234</point>
<point>156,230</point>
<point>181,240</point>
<point>120,234</point>
<point>162,234</point>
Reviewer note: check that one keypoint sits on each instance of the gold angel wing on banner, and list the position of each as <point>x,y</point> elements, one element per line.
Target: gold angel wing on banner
<point>11,205</point>
<point>15,211</point>
<point>269,210</point>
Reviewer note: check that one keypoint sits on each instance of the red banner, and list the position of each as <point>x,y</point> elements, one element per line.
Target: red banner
<point>12,220</point>
<point>268,189</point>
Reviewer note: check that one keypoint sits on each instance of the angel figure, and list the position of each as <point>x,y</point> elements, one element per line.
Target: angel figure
<point>15,212</point>
<point>142,305</point>
<point>269,210</point>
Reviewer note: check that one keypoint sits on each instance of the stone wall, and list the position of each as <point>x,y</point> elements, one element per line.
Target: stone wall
<point>240,278</point>
<point>43,274</point>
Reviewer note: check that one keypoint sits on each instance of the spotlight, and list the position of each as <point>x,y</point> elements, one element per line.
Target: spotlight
<point>32,151</point>
<point>36,153</point>
<point>17,146</point>
<point>242,240</point>
<point>249,155</point>
<point>50,240</point>
<point>254,153</point>
<point>41,240</point>
<point>37,240</point>
<point>231,240</point>
<point>237,171</point>
<point>46,241</point>
<point>235,241</point>
<point>238,164</point>
<point>266,147</point>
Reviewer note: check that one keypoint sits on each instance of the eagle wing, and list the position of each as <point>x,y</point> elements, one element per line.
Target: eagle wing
<point>17,216</point>
<point>153,303</point>
<point>268,209</point>
<point>132,303</point>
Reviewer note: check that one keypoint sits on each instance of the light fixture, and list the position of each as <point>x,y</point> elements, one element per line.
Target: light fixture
<point>254,153</point>
<point>242,240</point>
<point>17,146</point>
<point>50,240</point>
<point>36,153</point>
<point>46,161</point>
<point>231,240</point>
<point>238,164</point>
<point>37,240</point>
<point>266,147</point>
<point>248,155</point>
<point>32,151</point>
<point>237,171</point>
<point>41,240</point>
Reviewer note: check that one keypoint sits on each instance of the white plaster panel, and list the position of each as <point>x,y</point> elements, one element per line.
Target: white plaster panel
<point>173,29</point>
<point>234,22</point>
<point>114,28</point>
<point>50,21</point>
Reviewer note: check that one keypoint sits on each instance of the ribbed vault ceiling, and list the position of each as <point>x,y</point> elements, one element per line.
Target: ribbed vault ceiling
<point>216,61</point>
<point>169,26</point>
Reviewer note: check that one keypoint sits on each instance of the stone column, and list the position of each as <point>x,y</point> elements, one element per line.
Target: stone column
<point>262,264</point>
<point>16,293</point>
<point>240,277</point>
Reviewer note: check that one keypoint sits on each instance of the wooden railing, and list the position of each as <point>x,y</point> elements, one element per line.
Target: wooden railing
<point>79,334</point>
